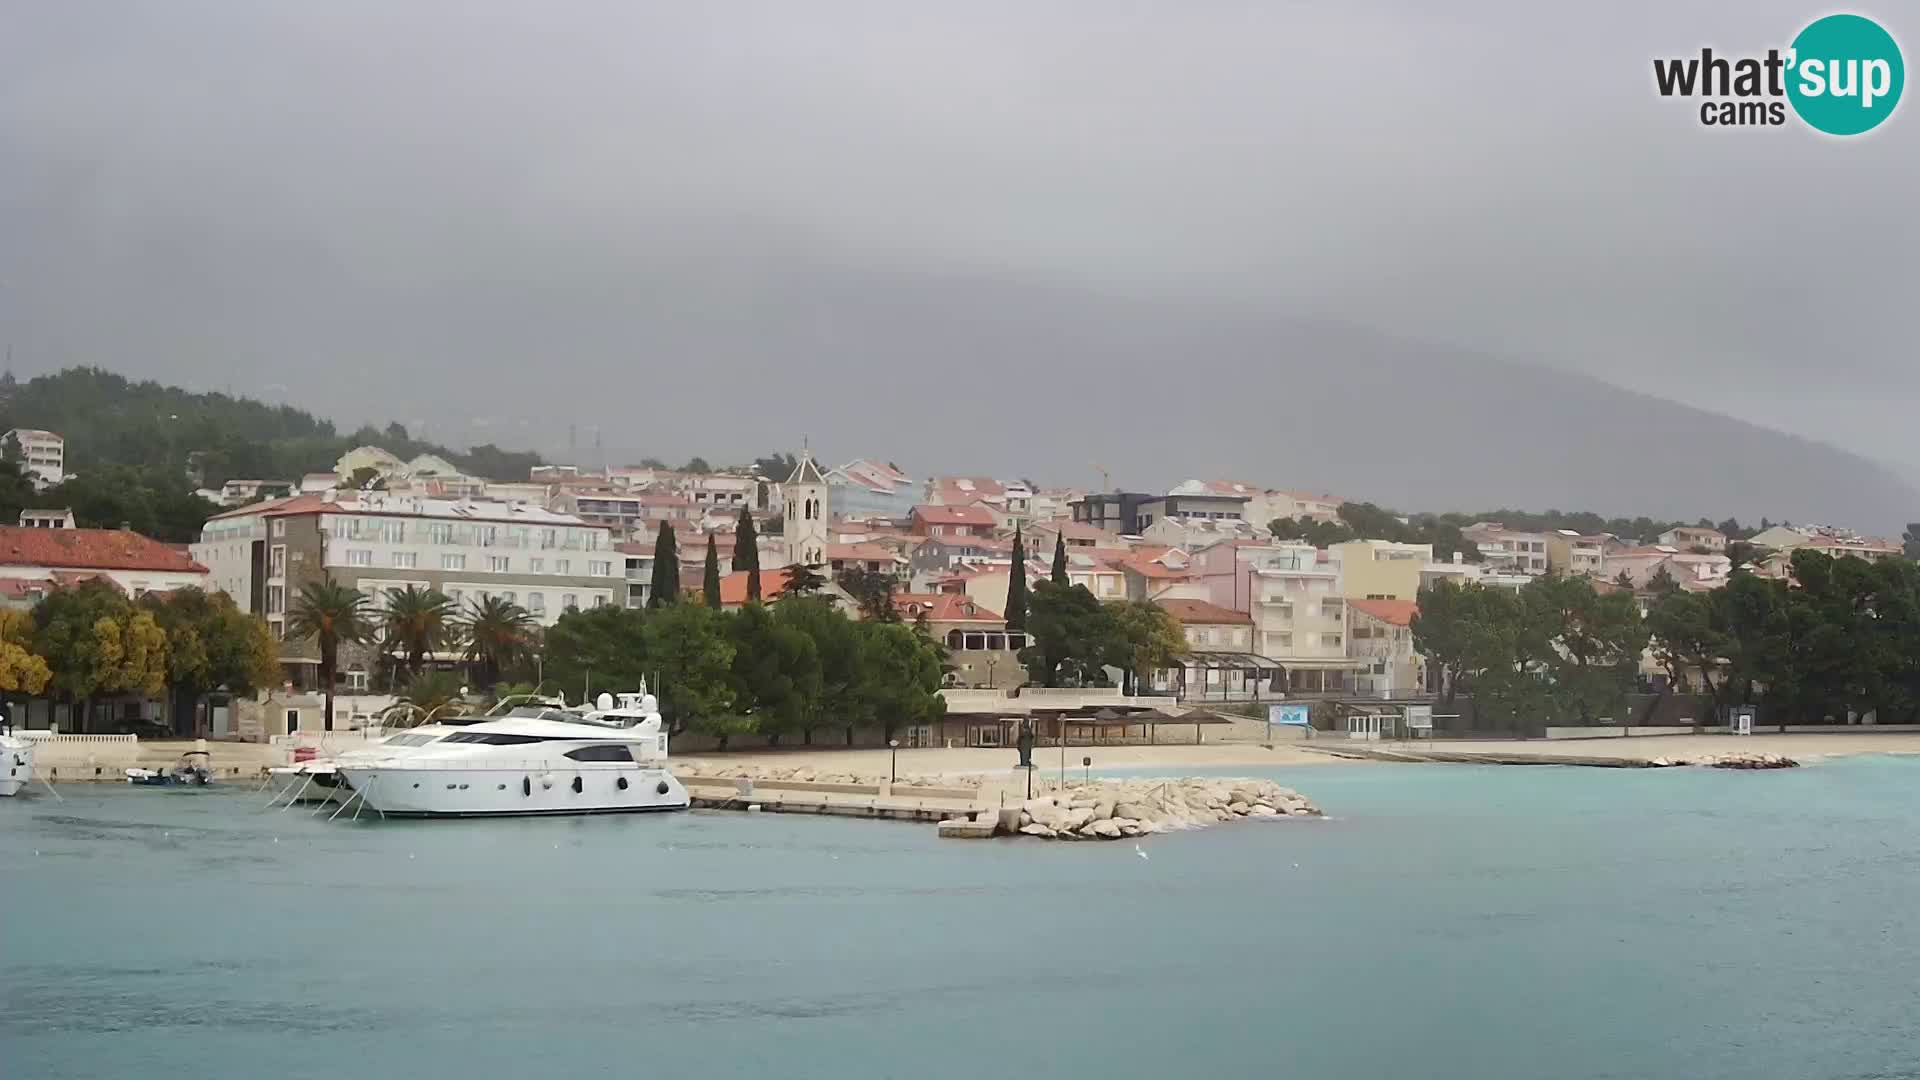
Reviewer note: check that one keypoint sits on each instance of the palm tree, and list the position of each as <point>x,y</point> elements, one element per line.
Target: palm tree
<point>416,622</point>
<point>496,631</point>
<point>331,614</point>
<point>434,691</point>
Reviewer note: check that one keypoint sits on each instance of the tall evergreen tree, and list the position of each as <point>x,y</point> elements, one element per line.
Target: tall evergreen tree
<point>1060,559</point>
<point>710,579</point>
<point>666,568</point>
<point>746,553</point>
<point>1017,584</point>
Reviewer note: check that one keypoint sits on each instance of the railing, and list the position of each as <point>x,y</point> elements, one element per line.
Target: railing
<point>37,735</point>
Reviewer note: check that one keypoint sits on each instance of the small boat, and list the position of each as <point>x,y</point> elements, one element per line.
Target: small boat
<point>195,768</point>
<point>535,760</point>
<point>16,762</point>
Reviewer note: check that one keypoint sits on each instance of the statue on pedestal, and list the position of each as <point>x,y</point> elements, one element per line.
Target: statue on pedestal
<point>1026,744</point>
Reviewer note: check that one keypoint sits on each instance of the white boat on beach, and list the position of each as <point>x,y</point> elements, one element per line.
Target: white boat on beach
<point>610,759</point>
<point>16,762</point>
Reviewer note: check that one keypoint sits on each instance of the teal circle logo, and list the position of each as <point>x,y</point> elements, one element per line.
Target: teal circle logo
<point>1845,74</point>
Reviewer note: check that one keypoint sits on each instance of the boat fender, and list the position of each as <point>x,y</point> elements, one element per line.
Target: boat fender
<point>526,786</point>
<point>546,780</point>
<point>662,789</point>
<point>621,783</point>
<point>578,787</point>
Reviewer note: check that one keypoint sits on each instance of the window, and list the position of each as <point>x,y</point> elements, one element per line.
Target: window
<point>493,738</point>
<point>1279,641</point>
<point>1330,641</point>
<point>276,599</point>
<point>279,527</point>
<point>440,532</point>
<point>453,562</point>
<point>601,753</point>
<point>563,566</point>
<point>293,716</point>
<point>568,600</point>
<point>357,680</point>
<point>537,566</point>
<point>537,603</point>
<point>359,557</point>
<point>279,630</point>
<point>277,561</point>
<point>393,532</point>
<point>599,569</point>
<point>510,598</point>
<point>405,560</point>
<point>497,564</point>
<point>456,596</point>
<point>599,599</point>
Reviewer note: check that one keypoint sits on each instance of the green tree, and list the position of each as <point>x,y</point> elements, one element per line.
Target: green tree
<point>211,644</point>
<point>802,581</point>
<point>1059,576</point>
<point>836,645</point>
<point>899,679</point>
<point>1071,633</point>
<point>414,623</point>
<point>688,646</point>
<point>1146,638</point>
<point>435,693</point>
<point>605,646</point>
<point>775,673</point>
<point>746,553</point>
<point>332,615</point>
<point>697,465</point>
<point>666,568</point>
<point>872,592</point>
<point>496,631</point>
<point>1016,612</point>
<point>710,575</point>
<point>1688,639</point>
<point>1595,641</point>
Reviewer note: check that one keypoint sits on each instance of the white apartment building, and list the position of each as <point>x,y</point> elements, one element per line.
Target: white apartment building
<point>1508,550</point>
<point>262,555</point>
<point>43,455</point>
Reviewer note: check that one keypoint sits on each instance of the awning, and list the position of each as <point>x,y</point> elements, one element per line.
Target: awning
<point>1332,663</point>
<point>1230,660</point>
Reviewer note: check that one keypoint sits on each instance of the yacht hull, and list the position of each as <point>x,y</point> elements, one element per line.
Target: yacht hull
<point>514,792</point>
<point>16,766</point>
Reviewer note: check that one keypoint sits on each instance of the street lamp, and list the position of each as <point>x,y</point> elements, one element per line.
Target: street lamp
<point>893,772</point>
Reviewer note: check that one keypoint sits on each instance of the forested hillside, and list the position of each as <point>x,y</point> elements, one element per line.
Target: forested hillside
<point>138,449</point>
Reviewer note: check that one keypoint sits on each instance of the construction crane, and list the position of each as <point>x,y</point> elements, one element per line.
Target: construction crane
<point>1106,480</point>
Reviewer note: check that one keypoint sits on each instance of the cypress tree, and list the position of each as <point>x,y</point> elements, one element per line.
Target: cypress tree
<point>1060,559</point>
<point>710,580</point>
<point>666,568</point>
<point>746,554</point>
<point>1017,584</point>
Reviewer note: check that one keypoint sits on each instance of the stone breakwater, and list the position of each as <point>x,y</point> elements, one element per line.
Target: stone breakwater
<point>1733,761</point>
<point>1112,809</point>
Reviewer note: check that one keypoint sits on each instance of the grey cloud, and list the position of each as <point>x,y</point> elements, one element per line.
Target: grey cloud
<point>588,211</point>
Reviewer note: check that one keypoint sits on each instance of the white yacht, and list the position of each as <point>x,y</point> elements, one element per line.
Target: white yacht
<point>318,781</point>
<point>16,762</point>
<point>609,759</point>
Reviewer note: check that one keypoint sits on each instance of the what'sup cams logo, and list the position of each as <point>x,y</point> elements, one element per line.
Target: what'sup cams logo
<point>1842,75</point>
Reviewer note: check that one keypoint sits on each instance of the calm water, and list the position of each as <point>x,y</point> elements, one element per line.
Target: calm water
<point>1449,921</point>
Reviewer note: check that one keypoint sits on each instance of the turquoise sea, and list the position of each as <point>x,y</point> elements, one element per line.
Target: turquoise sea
<point>1485,923</point>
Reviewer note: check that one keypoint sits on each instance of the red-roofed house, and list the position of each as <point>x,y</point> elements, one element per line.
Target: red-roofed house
<point>733,590</point>
<point>1381,632</point>
<point>874,558</point>
<point>982,653</point>
<point>1162,575</point>
<point>952,521</point>
<point>1222,665</point>
<point>134,563</point>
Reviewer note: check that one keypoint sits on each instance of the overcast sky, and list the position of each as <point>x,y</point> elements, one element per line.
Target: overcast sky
<point>464,212</point>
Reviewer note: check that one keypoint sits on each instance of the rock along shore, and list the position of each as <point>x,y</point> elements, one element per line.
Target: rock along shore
<point>1112,809</point>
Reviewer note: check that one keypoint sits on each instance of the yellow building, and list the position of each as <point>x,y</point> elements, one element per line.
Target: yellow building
<point>1380,569</point>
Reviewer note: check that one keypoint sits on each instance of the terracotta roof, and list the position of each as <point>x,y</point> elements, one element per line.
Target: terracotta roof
<point>1199,611</point>
<point>953,515</point>
<point>866,552</point>
<point>1148,568</point>
<point>90,549</point>
<point>944,607</point>
<point>733,587</point>
<point>1397,612</point>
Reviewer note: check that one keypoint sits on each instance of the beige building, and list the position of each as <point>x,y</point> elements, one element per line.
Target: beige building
<point>1508,550</point>
<point>1295,600</point>
<point>1380,569</point>
<point>1575,555</point>
<point>1688,537</point>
